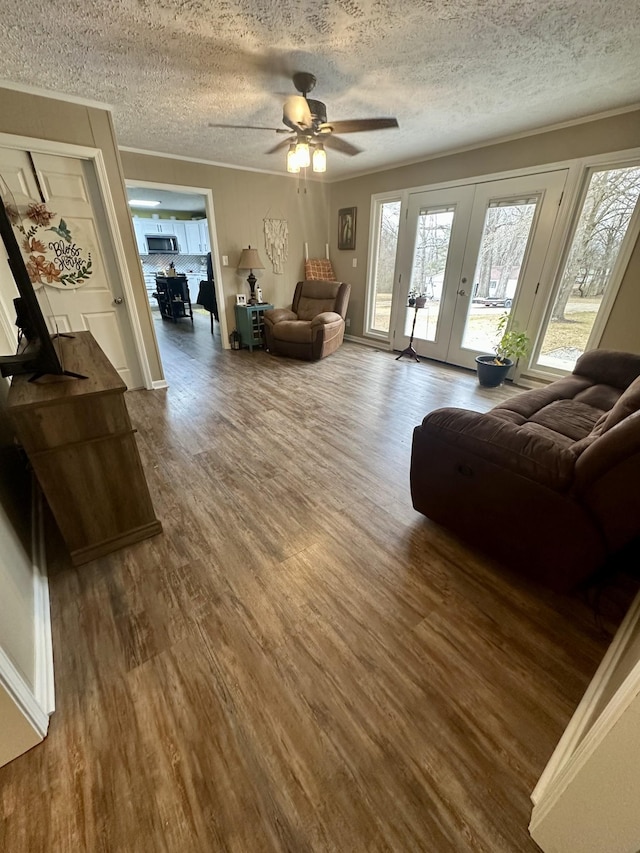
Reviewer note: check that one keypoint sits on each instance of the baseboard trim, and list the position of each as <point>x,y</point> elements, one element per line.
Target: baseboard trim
<point>13,682</point>
<point>385,346</point>
<point>159,384</point>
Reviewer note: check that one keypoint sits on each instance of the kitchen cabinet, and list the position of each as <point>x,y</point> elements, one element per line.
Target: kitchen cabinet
<point>141,243</point>
<point>204,236</point>
<point>192,238</point>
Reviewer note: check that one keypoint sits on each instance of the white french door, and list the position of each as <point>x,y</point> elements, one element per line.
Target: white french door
<point>473,253</point>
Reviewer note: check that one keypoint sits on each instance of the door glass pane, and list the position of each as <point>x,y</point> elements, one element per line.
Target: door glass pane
<point>604,220</point>
<point>433,236</point>
<point>505,236</point>
<point>384,266</point>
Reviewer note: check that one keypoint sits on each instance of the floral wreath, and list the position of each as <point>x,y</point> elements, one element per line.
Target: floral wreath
<point>68,268</point>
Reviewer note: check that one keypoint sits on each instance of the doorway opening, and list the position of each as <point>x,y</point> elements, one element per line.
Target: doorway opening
<point>172,228</point>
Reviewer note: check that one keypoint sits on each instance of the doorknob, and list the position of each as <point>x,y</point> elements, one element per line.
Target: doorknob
<point>118,300</point>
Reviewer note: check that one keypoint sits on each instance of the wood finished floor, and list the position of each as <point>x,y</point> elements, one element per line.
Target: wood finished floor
<point>301,662</point>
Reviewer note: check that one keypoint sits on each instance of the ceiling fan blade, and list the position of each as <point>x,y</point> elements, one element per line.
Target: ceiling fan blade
<point>284,144</point>
<point>249,127</point>
<point>357,125</point>
<point>296,113</point>
<point>341,145</point>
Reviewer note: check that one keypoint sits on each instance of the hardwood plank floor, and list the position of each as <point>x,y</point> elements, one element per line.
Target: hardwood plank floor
<point>301,662</point>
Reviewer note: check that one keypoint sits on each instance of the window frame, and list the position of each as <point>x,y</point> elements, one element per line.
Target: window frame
<point>377,200</point>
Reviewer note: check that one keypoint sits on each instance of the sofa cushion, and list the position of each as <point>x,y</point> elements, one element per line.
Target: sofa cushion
<point>295,331</point>
<point>608,367</point>
<point>570,418</point>
<point>549,433</point>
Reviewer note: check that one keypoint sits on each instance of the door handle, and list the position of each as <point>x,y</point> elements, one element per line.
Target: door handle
<point>118,300</point>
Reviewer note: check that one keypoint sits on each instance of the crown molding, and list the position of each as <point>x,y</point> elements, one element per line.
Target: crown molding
<point>498,140</point>
<point>56,96</point>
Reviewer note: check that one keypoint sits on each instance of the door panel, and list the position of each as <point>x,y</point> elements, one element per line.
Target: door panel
<point>437,222</point>
<point>485,242</point>
<point>69,187</point>
<point>509,234</point>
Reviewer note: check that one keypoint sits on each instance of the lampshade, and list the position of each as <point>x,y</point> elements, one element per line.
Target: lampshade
<point>250,260</point>
<point>302,154</point>
<point>319,158</point>
<point>292,159</point>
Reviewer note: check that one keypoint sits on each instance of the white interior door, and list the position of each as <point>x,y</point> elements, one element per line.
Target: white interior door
<point>473,253</point>
<point>69,188</point>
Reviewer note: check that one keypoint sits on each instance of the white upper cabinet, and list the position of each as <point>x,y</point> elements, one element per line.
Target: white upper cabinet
<point>193,242</point>
<point>203,225</point>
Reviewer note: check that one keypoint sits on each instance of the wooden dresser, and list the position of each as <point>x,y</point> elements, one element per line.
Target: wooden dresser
<point>80,442</point>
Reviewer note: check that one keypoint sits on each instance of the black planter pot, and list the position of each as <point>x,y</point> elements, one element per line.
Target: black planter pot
<point>490,374</point>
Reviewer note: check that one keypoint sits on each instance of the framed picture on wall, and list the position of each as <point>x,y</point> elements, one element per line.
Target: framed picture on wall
<point>347,228</point>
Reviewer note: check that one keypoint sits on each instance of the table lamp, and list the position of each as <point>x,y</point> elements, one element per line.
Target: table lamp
<point>250,260</point>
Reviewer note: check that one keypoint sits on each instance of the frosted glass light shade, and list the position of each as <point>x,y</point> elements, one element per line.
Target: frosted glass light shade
<point>302,155</point>
<point>319,159</point>
<point>292,159</point>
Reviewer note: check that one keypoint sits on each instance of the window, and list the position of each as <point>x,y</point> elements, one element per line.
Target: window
<point>588,272</point>
<point>385,243</point>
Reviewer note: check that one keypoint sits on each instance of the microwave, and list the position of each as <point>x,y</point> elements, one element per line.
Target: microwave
<point>162,244</point>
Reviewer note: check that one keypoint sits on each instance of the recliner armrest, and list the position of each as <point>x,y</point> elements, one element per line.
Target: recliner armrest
<point>326,318</point>
<point>277,315</point>
<point>506,444</point>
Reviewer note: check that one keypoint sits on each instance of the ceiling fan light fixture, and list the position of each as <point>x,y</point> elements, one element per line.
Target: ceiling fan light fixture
<point>319,158</point>
<point>292,159</point>
<point>302,154</point>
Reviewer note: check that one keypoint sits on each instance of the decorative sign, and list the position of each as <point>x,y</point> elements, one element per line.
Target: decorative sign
<point>276,241</point>
<point>52,256</point>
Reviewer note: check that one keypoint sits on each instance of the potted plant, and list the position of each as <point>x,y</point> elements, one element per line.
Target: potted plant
<point>510,347</point>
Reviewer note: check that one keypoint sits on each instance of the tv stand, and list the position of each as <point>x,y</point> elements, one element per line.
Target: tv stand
<point>83,450</point>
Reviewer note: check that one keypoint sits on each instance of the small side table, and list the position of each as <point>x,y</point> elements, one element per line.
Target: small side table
<point>250,324</point>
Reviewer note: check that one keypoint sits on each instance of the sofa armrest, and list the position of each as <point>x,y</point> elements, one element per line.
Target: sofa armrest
<point>506,444</point>
<point>277,315</point>
<point>609,367</point>
<point>326,318</point>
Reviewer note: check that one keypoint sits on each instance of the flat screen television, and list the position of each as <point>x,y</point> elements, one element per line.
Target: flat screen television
<point>36,351</point>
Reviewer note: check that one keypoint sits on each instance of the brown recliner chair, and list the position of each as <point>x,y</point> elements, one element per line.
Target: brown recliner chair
<point>314,327</point>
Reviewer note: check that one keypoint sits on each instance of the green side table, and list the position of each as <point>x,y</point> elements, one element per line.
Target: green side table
<point>250,324</point>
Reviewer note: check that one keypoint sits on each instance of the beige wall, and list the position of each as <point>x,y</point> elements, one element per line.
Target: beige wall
<point>615,133</point>
<point>46,118</point>
<point>241,201</point>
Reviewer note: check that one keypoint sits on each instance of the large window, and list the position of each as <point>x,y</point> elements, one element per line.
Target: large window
<point>611,198</point>
<point>387,226</point>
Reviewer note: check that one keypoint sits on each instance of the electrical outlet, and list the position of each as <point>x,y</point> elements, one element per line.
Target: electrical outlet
<point>347,322</point>
<point>354,262</point>
<point>225,260</point>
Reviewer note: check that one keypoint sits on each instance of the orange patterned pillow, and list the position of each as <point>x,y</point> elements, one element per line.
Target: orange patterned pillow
<point>318,269</point>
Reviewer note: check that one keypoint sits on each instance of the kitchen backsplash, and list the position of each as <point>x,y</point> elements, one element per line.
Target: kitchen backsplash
<point>182,263</point>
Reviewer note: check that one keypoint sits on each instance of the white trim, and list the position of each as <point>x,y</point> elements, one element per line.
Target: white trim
<point>207,192</point>
<point>44,685</point>
<point>23,698</point>
<point>159,384</point>
<point>377,200</point>
<point>202,162</point>
<point>367,342</point>
<point>499,140</point>
<point>578,742</point>
<point>56,96</point>
<point>123,270</point>
<point>94,155</point>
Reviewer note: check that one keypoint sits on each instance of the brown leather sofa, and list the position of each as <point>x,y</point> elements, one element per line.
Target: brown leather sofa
<point>314,327</point>
<point>548,482</point>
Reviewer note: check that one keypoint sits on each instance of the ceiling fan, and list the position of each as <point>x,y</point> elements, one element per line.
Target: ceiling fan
<point>307,127</point>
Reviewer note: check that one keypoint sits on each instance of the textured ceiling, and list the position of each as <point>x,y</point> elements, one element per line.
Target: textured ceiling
<point>454,72</point>
<point>188,202</point>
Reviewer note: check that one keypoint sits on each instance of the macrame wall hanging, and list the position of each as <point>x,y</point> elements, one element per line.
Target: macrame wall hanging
<point>276,241</point>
